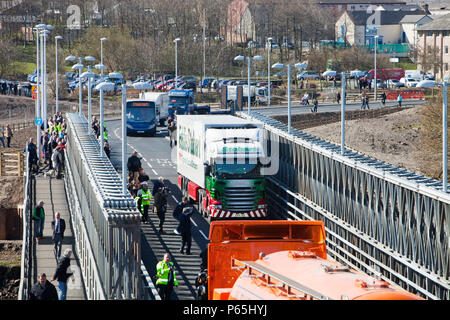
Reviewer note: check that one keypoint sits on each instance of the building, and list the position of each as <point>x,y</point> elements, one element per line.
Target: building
<point>434,44</point>
<point>356,5</point>
<point>361,27</point>
<point>410,24</point>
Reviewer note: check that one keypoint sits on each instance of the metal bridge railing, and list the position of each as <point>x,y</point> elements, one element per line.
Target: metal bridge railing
<point>27,243</point>
<point>376,213</point>
<point>106,222</point>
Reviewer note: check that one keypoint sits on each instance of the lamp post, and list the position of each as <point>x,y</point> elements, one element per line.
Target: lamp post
<point>343,113</point>
<point>176,61</point>
<point>269,40</point>
<point>38,29</point>
<point>101,87</point>
<point>101,55</point>
<point>44,34</point>
<point>444,135</point>
<point>79,66</point>
<point>375,69</point>
<point>288,66</point>
<point>242,58</point>
<point>89,75</point>
<point>56,69</point>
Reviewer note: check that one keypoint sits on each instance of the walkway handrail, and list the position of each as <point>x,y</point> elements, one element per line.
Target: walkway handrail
<point>27,243</point>
<point>105,218</point>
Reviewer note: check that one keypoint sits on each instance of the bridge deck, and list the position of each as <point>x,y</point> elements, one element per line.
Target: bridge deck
<point>53,193</point>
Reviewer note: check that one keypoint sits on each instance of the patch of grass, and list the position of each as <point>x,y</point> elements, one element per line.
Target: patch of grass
<point>11,263</point>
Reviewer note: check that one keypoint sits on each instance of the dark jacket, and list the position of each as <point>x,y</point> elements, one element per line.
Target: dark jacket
<point>160,201</point>
<point>45,292</point>
<point>33,152</point>
<point>134,163</point>
<point>61,229</point>
<point>185,220</point>
<point>158,184</point>
<point>61,270</point>
<point>179,210</point>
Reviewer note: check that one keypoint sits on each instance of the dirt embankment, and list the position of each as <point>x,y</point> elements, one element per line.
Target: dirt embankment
<point>393,138</point>
<point>10,257</point>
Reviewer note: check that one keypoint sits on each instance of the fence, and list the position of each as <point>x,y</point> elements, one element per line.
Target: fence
<point>11,163</point>
<point>27,243</point>
<point>379,218</point>
<point>106,222</point>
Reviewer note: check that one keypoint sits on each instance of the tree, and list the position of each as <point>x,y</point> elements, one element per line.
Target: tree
<point>8,54</point>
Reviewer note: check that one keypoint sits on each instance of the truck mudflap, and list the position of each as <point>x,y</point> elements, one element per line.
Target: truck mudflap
<point>218,214</point>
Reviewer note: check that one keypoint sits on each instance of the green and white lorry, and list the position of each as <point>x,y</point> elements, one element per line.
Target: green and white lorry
<point>219,160</point>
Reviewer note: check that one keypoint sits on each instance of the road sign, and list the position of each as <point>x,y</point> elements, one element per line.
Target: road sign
<point>393,59</point>
<point>38,121</point>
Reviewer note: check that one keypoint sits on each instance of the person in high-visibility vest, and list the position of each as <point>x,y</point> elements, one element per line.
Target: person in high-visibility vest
<point>144,196</point>
<point>105,132</point>
<point>165,272</point>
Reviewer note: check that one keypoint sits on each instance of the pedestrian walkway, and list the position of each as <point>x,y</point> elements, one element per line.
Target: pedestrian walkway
<point>53,193</point>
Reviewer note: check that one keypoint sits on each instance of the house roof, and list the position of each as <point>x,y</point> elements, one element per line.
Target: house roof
<point>375,2</point>
<point>439,24</point>
<point>413,18</point>
<point>360,18</point>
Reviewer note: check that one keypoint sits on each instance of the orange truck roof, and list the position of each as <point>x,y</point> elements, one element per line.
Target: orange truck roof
<point>246,240</point>
<point>300,275</point>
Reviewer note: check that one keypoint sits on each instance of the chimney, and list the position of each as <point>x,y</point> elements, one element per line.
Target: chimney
<point>425,8</point>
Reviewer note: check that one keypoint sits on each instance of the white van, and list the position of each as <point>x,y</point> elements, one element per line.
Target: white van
<point>161,100</point>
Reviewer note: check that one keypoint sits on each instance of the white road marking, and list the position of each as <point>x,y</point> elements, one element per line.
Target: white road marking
<point>159,161</point>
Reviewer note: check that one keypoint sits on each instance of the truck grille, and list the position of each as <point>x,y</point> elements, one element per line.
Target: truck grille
<point>240,199</point>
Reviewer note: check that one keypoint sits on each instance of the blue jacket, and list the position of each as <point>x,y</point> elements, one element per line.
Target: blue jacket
<point>185,221</point>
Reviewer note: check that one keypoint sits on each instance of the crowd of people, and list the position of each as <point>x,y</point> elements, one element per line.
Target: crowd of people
<point>95,125</point>
<point>15,88</point>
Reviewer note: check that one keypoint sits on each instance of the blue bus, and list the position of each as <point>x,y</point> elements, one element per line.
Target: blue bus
<point>141,117</point>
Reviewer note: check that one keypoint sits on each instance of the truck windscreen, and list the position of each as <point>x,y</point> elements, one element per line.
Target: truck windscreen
<point>238,169</point>
<point>140,111</point>
<point>178,100</point>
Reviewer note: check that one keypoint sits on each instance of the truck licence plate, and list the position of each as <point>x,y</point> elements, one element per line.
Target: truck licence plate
<point>239,215</point>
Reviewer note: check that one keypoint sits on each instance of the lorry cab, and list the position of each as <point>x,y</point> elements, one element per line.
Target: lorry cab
<point>180,100</point>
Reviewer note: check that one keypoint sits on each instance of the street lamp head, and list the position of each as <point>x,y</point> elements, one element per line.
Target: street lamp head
<point>89,58</point>
<point>77,66</point>
<point>49,27</point>
<point>87,74</point>
<point>239,58</point>
<point>71,58</point>
<point>40,26</point>
<point>58,38</point>
<point>116,75</point>
<point>258,58</point>
<point>300,65</point>
<point>103,39</point>
<point>278,65</point>
<point>100,66</point>
<point>177,39</point>
<point>270,39</point>
<point>105,86</point>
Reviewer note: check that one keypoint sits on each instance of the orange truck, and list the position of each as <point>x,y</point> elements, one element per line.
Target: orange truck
<point>287,260</point>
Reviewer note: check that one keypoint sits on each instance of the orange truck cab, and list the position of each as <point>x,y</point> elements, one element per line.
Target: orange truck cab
<point>269,260</point>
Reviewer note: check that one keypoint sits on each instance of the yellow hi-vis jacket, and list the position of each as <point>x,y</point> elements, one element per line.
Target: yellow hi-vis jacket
<point>162,272</point>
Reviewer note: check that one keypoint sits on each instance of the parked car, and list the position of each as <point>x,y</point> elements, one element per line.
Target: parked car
<point>394,83</point>
<point>409,82</point>
<point>254,44</point>
<point>307,75</point>
<point>288,45</point>
<point>206,82</point>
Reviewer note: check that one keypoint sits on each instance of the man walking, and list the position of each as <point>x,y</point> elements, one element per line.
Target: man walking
<point>32,156</point>
<point>8,135</point>
<point>160,206</point>
<point>179,208</point>
<point>165,272</point>
<point>144,196</point>
<point>133,165</point>
<point>158,185</point>
<point>383,98</point>
<point>184,227</point>
<point>399,100</point>
<point>39,217</point>
<point>61,274</point>
<point>58,228</point>
<point>43,289</point>
<point>57,162</point>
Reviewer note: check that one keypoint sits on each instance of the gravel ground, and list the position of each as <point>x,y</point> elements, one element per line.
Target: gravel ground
<point>394,138</point>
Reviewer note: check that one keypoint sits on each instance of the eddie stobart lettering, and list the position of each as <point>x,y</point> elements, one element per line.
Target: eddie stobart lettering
<point>232,309</point>
<point>188,142</point>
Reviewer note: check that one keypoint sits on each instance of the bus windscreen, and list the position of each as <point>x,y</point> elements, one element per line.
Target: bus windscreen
<point>140,111</point>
